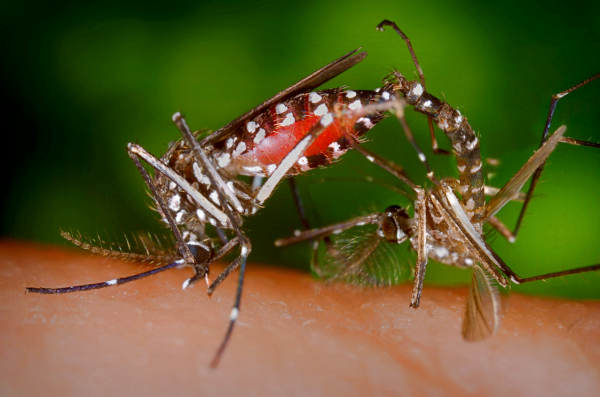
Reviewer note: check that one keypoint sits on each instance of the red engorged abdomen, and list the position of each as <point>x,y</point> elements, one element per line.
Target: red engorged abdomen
<point>279,143</point>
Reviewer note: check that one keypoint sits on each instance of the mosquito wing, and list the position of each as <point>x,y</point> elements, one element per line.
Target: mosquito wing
<point>309,83</point>
<point>482,314</point>
<point>513,187</point>
<point>361,256</point>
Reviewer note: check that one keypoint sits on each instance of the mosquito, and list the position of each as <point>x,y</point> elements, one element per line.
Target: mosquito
<point>196,184</point>
<point>446,227</point>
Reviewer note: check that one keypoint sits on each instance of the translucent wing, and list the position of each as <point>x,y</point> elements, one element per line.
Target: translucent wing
<point>482,315</point>
<point>513,187</point>
<point>360,256</point>
<point>311,82</point>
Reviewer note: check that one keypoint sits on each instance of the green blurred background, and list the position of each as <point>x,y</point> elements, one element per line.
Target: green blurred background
<point>84,79</point>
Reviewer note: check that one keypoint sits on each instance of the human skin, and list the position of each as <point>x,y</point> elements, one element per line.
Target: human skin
<point>295,336</point>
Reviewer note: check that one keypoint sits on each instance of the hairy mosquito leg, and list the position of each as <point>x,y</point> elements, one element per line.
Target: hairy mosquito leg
<point>390,167</point>
<point>399,109</point>
<point>538,172</point>
<point>591,268</point>
<point>222,236</point>
<point>110,283</point>
<point>244,243</point>
<point>298,203</point>
<point>422,253</point>
<point>434,144</point>
<point>186,253</point>
<point>502,229</point>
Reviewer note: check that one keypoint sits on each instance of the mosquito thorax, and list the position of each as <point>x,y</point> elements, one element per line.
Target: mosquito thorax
<point>395,225</point>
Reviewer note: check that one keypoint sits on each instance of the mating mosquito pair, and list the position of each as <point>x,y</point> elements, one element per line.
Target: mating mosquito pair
<point>445,228</point>
<point>195,184</point>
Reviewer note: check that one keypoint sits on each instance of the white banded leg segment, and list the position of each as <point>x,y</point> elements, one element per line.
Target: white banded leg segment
<point>182,183</point>
<point>200,156</point>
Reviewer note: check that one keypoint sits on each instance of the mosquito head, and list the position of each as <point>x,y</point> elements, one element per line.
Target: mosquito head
<point>201,251</point>
<point>395,225</point>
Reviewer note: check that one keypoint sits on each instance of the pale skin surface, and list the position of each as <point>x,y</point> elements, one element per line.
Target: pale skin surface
<point>295,336</point>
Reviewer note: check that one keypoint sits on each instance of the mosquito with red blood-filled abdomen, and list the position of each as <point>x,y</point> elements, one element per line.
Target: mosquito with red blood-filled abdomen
<point>196,182</point>
<point>445,227</point>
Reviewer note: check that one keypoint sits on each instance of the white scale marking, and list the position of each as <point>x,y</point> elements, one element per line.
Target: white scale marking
<point>180,215</point>
<point>385,95</point>
<point>321,110</point>
<point>251,127</point>
<point>441,252</point>
<point>175,203</point>
<point>224,160</point>
<point>366,122</point>
<point>355,105</point>
<point>350,94</point>
<point>289,120</point>
<point>260,136</point>
<point>461,168</point>
<point>186,283</point>
<point>476,168</point>
<point>371,158</point>
<point>201,215</point>
<point>303,161</point>
<point>427,104</point>
<point>234,314</point>
<point>280,108</point>
<point>472,144</point>
<point>112,282</point>
<point>241,147</point>
<point>214,196</point>
<point>271,168</point>
<point>469,261</point>
<point>229,143</point>
<point>470,204</point>
<point>230,186</point>
<point>203,179</point>
<point>327,119</point>
<point>418,90</point>
<point>253,170</point>
<point>172,185</point>
<point>314,97</point>
<point>334,146</point>
<point>422,157</point>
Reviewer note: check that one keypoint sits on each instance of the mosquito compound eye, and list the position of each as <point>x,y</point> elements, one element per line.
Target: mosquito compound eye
<point>200,252</point>
<point>394,226</point>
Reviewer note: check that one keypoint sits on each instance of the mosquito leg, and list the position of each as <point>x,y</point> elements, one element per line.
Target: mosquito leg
<point>244,243</point>
<point>421,264</point>
<point>592,268</point>
<point>181,182</point>
<point>318,234</point>
<point>110,283</point>
<point>186,253</point>
<point>538,172</point>
<point>502,229</point>
<point>434,144</point>
<point>399,108</point>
